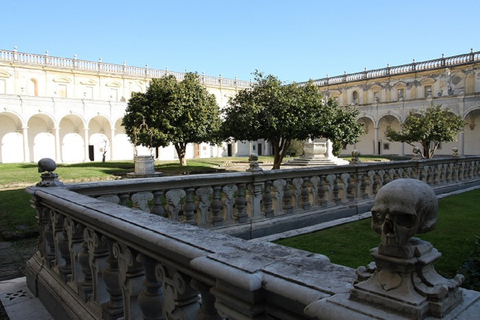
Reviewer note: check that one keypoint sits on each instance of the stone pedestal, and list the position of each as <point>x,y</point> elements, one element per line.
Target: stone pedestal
<point>317,153</point>
<point>144,167</point>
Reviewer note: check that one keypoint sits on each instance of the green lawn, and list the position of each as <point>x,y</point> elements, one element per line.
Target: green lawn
<point>455,235</point>
<point>18,217</point>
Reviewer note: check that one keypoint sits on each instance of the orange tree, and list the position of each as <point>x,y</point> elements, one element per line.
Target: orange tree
<point>281,113</point>
<point>171,111</point>
<point>430,127</point>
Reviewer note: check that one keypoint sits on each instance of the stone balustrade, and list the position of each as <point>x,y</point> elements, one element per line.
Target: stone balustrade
<point>109,68</point>
<point>99,259</point>
<point>402,69</point>
<point>274,199</point>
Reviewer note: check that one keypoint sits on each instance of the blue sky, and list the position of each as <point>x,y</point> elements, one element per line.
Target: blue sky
<point>293,40</point>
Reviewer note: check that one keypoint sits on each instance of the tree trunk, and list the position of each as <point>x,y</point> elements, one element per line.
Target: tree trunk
<point>181,151</point>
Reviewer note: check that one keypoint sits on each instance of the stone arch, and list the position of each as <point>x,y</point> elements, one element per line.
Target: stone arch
<point>100,138</point>
<point>41,137</point>
<point>385,146</point>
<point>72,142</point>
<point>11,138</point>
<point>367,140</point>
<point>472,132</point>
<point>123,148</point>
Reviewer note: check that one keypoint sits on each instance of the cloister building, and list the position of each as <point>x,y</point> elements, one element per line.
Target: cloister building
<point>71,110</point>
<point>385,96</point>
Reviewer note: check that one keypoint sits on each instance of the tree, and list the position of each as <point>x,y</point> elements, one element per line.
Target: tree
<point>280,113</point>
<point>173,112</point>
<point>430,127</point>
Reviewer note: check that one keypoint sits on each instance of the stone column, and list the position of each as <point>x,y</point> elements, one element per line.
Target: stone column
<point>85,138</point>
<point>58,153</point>
<point>375,147</point>
<point>26,150</point>
<point>111,143</point>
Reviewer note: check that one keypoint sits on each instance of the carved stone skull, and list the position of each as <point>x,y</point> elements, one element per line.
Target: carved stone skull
<point>403,208</point>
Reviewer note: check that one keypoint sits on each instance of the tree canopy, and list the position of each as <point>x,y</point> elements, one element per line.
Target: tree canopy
<point>429,127</point>
<point>280,113</point>
<point>171,111</point>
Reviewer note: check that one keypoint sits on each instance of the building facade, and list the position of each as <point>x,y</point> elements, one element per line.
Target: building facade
<point>71,110</point>
<point>385,96</point>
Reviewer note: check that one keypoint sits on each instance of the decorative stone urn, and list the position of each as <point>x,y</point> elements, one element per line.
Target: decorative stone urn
<point>315,150</point>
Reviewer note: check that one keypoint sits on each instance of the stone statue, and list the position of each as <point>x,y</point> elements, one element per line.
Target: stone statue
<point>403,279</point>
<point>49,179</point>
<point>402,209</point>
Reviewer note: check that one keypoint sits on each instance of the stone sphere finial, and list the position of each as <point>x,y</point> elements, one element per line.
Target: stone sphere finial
<point>403,208</point>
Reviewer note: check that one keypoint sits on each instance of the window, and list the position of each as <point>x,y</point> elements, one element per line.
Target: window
<point>355,97</point>
<point>386,146</point>
<point>427,92</point>
<point>376,96</point>
<point>400,93</point>
<point>61,91</point>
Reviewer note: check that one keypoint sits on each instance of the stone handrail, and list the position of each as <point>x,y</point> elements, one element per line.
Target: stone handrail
<point>99,260</point>
<point>109,68</point>
<point>402,69</point>
<point>230,201</point>
<point>102,260</point>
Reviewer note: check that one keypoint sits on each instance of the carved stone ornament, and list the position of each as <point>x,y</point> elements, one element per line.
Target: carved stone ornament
<point>403,208</point>
<point>403,280</point>
<point>49,179</point>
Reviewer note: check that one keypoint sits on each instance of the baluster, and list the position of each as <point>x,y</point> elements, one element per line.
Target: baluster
<point>287,198</point>
<point>381,177</point>
<point>181,300</point>
<point>62,256</point>
<point>113,308</point>
<point>98,254</point>
<point>322,192</point>
<point>131,276</point>
<point>363,186</point>
<point>422,176</point>
<point>254,199</point>
<point>240,204</point>
<point>79,279</point>
<point>305,194</point>
<point>189,207</point>
<point>373,183</point>
<point>267,200</point>
<point>216,219</point>
<point>297,191</point>
<point>46,244</point>
<point>203,197</point>
<point>229,202</point>
<point>140,200</point>
<point>157,207</point>
<point>173,207</point>
<point>123,198</point>
<point>350,188</point>
<point>279,194</point>
<point>336,190</point>
<point>85,286</point>
<point>57,229</point>
<point>150,299</point>
<point>207,309</point>
<point>313,196</point>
